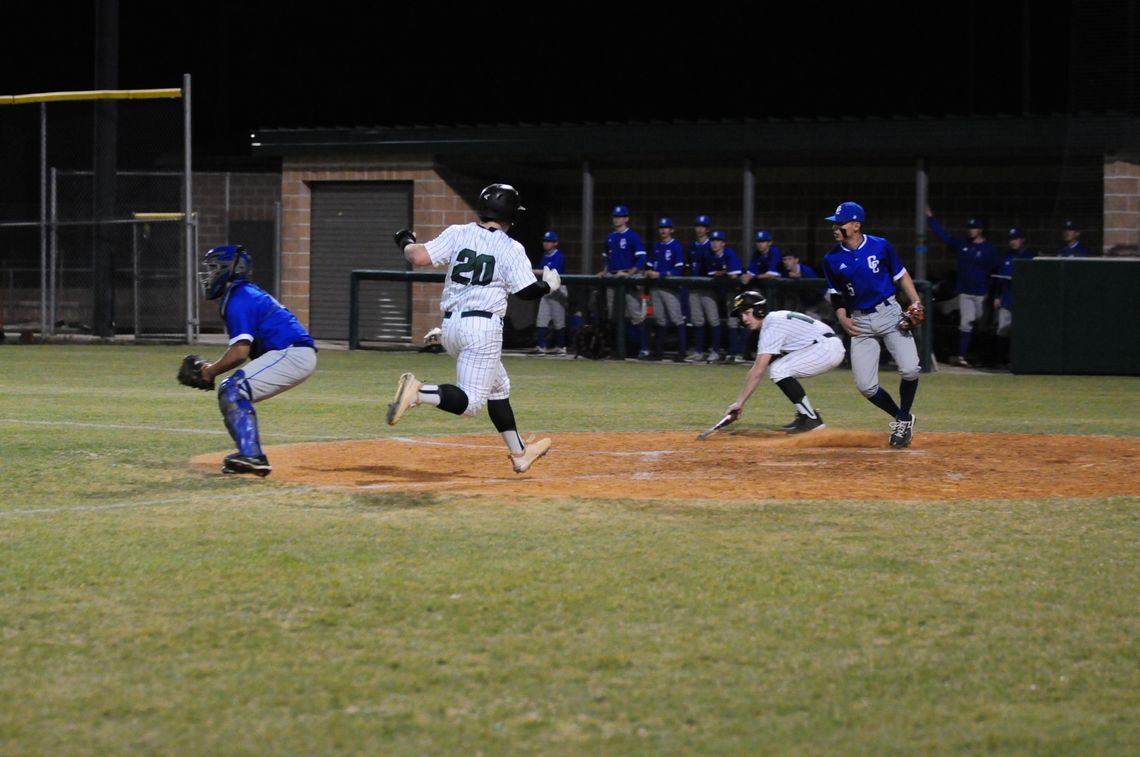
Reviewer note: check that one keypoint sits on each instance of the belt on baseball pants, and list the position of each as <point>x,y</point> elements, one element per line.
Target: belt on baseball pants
<point>828,335</point>
<point>882,304</point>
<point>471,314</point>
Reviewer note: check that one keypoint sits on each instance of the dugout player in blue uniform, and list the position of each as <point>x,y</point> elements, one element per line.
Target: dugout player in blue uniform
<point>1003,300</point>
<point>625,256</point>
<point>766,258</point>
<point>977,259</point>
<point>1073,247</point>
<point>552,307</point>
<point>280,352</point>
<point>668,259</point>
<point>723,265</point>
<point>862,272</point>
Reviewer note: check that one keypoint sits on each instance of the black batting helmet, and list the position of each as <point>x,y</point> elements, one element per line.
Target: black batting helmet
<point>750,299</point>
<point>499,202</point>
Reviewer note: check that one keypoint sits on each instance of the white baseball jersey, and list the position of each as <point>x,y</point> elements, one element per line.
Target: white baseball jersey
<point>785,331</point>
<point>486,266</point>
<point>808,347</point>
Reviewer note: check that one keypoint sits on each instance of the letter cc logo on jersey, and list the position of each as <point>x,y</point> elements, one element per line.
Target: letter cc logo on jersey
<point>873,263</point>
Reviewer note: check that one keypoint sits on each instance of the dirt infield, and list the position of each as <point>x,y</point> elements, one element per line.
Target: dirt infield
<point>829,464</point>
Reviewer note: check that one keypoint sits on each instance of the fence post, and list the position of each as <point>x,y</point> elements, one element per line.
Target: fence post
<point>354,311</point>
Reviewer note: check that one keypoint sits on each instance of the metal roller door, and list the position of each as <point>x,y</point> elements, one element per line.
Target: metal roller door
<point>352,226</point>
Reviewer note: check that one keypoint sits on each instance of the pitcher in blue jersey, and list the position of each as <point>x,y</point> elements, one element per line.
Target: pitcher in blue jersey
<point>280,352</point>
<point>862,272</point>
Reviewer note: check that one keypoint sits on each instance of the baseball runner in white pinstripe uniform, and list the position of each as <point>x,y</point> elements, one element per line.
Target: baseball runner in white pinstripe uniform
<point>796,346</point>
<point>484,266</point>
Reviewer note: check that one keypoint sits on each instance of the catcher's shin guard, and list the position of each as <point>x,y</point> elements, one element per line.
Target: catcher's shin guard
<point>238,413</point>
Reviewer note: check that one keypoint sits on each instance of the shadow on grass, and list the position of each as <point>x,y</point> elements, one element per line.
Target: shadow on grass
<point>395,500</point>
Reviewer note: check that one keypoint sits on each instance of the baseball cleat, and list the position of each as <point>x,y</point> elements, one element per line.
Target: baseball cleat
<point>258,465</point>
<point>696,357</point>
<point>794,424</point>
<point>713,357</point>
<point>901,432</point>
<point>806,423</point>
<point>407,397</point>
<point>532,452</point>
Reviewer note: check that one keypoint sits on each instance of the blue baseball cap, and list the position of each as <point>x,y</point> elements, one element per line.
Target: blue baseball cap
<point>620,210</point>
<point>703,220</point>
<point>975,222</point>
<point>1016,233</point>
<point>718,234</point>
<point>665,223</point>
<point>763,236</point>
<point>847,212</point>
<point>550,236</point>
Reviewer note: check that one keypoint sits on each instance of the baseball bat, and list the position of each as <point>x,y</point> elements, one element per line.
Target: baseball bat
<point>727,419</point>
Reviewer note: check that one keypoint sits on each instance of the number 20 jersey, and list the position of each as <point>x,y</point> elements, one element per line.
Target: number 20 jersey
<point>485,266</point>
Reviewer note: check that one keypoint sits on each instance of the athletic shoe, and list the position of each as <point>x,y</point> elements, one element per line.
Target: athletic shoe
<point>407,397</point>
<point>794,424</point>
<point>737,359</point>
<point>644,355</point>
<point>713,357</point>
<point>696,357</point>
<point>238,463</point>
<point>960,361</point>
<point>805,423</point>
<point>901,431</point>
<point>537,351</point>
<point>532,452</point>
<point>558,351</point>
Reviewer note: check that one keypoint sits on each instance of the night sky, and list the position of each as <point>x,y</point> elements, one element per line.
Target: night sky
<point>260,65</point>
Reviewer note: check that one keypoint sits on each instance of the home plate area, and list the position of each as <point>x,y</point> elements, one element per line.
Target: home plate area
<point>737,464</point>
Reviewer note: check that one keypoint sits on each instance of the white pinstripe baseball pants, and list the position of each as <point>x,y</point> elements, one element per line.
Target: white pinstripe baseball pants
<point>476,343</point>
<point>813,360</point>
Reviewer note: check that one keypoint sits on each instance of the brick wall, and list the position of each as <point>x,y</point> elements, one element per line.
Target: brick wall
<point>1121,208</point>
<point>252,197</point>
<point>438,201</point>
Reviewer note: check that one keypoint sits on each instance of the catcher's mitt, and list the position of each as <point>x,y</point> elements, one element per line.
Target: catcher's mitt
<point>190,373</point>
<point>912,317</point>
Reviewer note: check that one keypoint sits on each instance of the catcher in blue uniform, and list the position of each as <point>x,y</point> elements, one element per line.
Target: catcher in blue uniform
<point>280,352</point>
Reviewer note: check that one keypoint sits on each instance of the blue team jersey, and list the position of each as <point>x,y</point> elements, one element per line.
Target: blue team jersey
<point>807,272</point>
<point>251,314</point>
<point>1074,250</point>
<point>624,250</point>
<point>864,276</point>
<point>771,265</point>
<point>668,258</point>
<point>553,260</point>
<point>727,262</point>
<point>695,257</point>
<point>976,260</point>
<point>1004,275</point>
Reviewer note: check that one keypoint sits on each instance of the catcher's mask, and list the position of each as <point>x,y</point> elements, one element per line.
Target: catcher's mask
<point>750,300</point>
<point>222,265</point>
<point>499,202</point>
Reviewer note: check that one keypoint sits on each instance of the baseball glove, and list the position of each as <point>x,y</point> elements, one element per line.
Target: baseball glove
<point>912,317</point>
<point>190,373</point>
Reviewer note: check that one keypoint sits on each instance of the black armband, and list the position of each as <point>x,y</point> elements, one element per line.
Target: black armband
<point>535,291</point>
<point>837,302</point>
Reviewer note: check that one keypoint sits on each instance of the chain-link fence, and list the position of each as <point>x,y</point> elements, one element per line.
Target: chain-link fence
<point>94,228</point>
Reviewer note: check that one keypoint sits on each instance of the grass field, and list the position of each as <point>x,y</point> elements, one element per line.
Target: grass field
<point>146,607</point>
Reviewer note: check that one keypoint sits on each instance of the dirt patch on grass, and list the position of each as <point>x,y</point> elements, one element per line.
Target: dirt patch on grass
<point>830,464</point>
